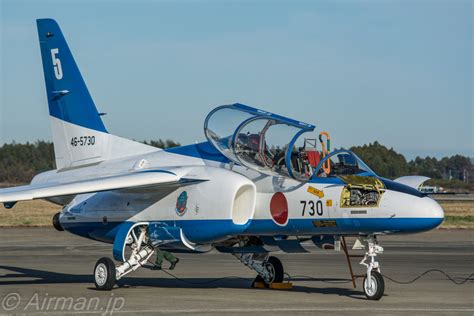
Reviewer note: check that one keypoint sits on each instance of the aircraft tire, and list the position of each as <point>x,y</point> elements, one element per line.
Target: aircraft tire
<point>277,267</point>
<point>377,288</point>
<point>104,274</point>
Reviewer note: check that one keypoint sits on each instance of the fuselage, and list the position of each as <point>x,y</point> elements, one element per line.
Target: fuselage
<point>283,206</point>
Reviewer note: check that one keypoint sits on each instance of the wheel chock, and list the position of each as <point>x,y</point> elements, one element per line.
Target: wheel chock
<point>258,285</point>
<point>274,286</point>
<point>281,286</point>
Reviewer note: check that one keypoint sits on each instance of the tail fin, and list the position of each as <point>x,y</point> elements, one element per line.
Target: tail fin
<point>79,135</point>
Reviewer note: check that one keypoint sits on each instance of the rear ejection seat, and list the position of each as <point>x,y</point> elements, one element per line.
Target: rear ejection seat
<point>313,158</point>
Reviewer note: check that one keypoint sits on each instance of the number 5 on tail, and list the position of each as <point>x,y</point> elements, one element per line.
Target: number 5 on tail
<point>58,70</point>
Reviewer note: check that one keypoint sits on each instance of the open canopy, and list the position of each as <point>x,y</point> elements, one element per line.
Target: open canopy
<point>259,140</point>
<point>342,163</point>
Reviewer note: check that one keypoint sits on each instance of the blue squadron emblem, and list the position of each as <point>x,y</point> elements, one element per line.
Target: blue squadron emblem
<point>181,203</point>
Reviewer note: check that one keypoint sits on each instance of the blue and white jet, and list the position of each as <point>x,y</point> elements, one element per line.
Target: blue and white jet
<point>255,186</point>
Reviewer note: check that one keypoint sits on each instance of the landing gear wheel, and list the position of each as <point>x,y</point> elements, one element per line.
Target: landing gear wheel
<point>104,274</point>
<point>375,287</point>
<point>276,268</point>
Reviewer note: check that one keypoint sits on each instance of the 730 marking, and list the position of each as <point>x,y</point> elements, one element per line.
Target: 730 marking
<point>313,207</point>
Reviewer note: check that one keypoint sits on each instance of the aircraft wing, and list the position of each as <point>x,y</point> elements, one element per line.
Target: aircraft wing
<point>132,180</point>
<point>412,181</point>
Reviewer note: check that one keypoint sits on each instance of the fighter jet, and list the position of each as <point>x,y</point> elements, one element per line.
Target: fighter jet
<point>256,186</point>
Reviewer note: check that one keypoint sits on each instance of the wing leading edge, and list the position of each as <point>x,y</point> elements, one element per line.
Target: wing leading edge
<point>412,181</point>
<point>133,180</point>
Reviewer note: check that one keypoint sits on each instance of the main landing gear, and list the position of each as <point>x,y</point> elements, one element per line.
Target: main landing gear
<point>374,285</point>
<point>269,268</point>
<point>105,274</point>
<point>105,271</point>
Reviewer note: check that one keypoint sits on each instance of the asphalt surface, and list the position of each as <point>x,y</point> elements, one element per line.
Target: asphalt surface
<point>45,271</point>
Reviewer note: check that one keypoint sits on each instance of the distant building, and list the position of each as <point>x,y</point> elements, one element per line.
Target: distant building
<point>431,189</point>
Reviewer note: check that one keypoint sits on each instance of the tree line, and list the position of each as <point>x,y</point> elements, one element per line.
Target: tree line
<point>20,162</point>
<point>450,172</point>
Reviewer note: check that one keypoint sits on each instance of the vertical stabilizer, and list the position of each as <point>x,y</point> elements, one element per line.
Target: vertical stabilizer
<point>79,135</point>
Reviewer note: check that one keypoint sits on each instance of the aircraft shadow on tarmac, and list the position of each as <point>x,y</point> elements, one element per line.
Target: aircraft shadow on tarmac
<point>27,276</point>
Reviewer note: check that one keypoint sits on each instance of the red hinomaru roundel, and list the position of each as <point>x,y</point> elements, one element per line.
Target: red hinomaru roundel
<point>279,208</point>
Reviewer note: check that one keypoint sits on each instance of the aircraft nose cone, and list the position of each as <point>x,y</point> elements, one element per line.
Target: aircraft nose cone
<point>433,211</point>
<point>437,210</point>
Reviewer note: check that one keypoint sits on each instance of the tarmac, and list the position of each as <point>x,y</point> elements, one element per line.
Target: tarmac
<point>43,271</point>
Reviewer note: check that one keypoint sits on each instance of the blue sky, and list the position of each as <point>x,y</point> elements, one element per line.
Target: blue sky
<point>399,72</point>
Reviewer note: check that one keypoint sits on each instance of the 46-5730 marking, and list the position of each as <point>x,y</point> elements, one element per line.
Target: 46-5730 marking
<point>313,207</point>
<point>83,141</point>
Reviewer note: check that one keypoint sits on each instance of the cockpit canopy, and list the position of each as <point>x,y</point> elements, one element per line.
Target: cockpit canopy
<point>342,163</point>
<point>259,140</point>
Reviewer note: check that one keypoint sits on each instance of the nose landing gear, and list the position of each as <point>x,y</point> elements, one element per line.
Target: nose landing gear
<point>374,285</point>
